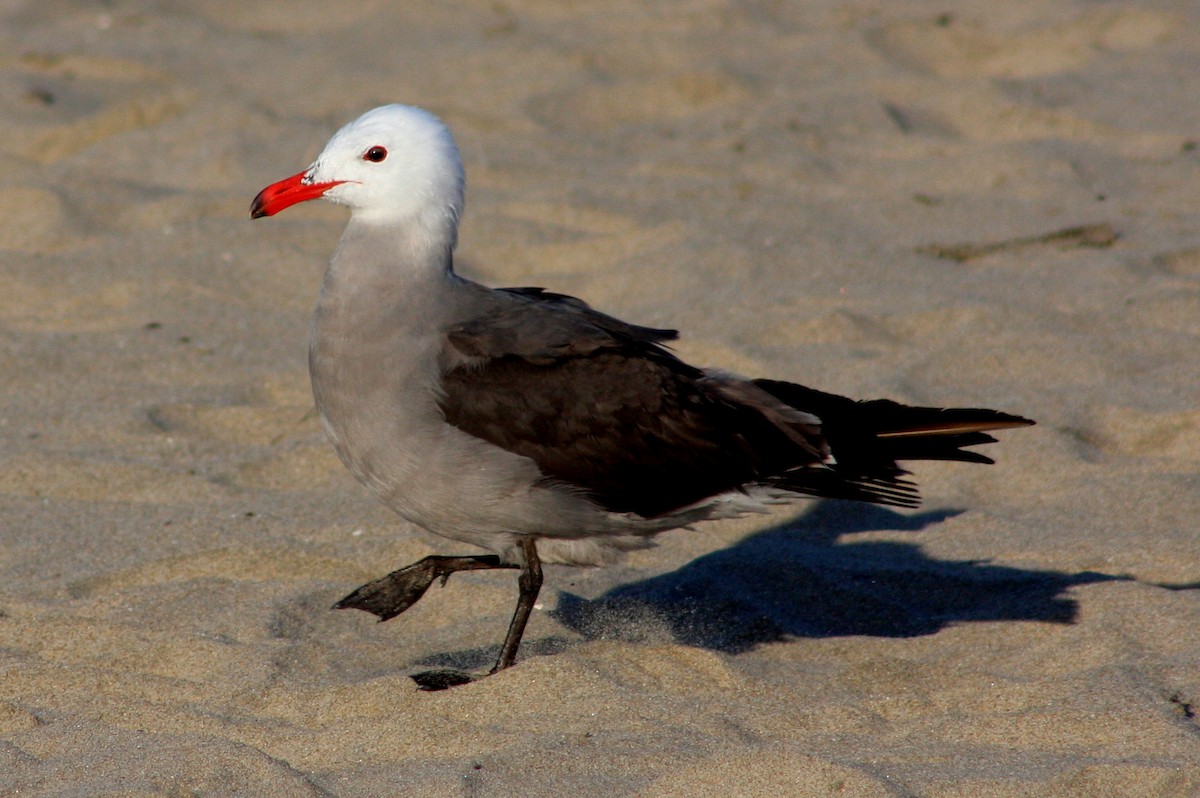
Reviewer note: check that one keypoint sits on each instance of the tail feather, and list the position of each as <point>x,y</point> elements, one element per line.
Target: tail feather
<point>829,483</point>
<point>868,438</point>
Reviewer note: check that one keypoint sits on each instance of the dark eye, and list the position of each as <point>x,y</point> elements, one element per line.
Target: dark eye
<point>375,154</point>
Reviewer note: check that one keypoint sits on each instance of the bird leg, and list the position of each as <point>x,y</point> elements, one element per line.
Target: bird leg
<point>391,595</point>
<point>528,584</point>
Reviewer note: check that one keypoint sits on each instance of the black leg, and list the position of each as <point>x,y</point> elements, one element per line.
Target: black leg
<point>529,583</point>
<point>391,595</point>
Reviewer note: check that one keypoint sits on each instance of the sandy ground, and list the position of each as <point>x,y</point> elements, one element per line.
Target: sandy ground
<point>867,197</point>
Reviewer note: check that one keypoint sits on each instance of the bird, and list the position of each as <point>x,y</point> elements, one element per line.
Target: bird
<point>529,425</point>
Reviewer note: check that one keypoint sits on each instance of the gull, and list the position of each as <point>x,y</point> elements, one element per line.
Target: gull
<point>527,424</point>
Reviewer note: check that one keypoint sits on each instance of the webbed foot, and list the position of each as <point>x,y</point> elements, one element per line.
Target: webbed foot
<point>431,681</point>
<point>390,595</point>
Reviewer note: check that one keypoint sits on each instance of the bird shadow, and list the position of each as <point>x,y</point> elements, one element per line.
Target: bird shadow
<point>806,579</point>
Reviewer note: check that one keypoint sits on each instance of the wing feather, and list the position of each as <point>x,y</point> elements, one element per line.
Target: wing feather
<point>602,406</point>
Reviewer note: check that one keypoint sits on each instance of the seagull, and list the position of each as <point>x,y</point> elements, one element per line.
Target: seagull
<point>523,422</point>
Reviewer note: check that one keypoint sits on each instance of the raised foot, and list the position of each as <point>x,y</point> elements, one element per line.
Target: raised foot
<point>390,595</point>
<point>431,681</point>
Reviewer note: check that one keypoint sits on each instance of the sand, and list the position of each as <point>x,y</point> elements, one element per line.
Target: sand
<point>874,198</point>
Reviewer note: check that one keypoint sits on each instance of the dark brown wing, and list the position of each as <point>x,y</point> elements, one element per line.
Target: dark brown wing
<point>598,404</point>
<point>538,325</point>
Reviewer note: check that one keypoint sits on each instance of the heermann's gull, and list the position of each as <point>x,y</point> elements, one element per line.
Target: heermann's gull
<point>527,424</point>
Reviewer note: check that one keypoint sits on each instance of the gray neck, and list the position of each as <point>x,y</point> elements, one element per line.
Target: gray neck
<point>376,337</point>
<point>399,254</point>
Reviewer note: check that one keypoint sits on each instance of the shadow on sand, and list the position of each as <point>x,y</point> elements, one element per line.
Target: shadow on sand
<point>801,580</point>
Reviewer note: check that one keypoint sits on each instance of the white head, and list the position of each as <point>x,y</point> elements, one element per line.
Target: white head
<point>395,164</point>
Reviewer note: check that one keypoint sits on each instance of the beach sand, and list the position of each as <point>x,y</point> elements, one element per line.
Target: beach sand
<point>872,198</point>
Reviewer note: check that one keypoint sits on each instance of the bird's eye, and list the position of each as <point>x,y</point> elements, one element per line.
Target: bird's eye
<point>375,154</point>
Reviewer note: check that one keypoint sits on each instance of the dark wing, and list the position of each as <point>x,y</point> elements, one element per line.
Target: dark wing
<point>598,404</point>
<point>538,325</point>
